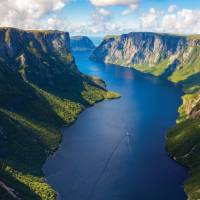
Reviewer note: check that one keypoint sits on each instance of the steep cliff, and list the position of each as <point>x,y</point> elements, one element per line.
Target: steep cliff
<point>183,142</point>
<point>81,43</point>
<point>41,89</point>
<point>176,58</point>
<point>158,54</point>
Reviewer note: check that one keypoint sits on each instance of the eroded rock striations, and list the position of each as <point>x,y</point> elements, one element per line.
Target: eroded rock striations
<point>159,54</point>
<point>176,58</point>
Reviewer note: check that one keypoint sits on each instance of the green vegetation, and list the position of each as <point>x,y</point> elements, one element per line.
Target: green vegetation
<point>194,37</point>
<point>155,70</point>
<point>185,64</point>
<point>31,128</point>
<point>107,37</point>
<point>43,93</point>
<point>189,67</point>
<point>27,137</point>
<point>183,141</point>
<point>183,144</point>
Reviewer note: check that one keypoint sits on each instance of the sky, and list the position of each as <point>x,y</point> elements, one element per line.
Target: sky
<point>103,17</point>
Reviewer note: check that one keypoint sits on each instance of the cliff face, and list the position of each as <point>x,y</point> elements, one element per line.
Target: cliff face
<point>176,58</point>
<point>41,89</point>
<point>81,43</point>
<point>159,54</point>
<point>15,42</point>
<point>139,48</point>
<point>40,56</point>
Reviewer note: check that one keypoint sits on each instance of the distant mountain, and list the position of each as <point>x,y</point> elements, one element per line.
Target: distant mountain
<point>81,43</point>
<point>176,58</point>
<point>41,89</point>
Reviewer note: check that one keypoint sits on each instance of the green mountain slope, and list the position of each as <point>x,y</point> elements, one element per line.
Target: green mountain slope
<point>41,89</point>
<point>183,142</point>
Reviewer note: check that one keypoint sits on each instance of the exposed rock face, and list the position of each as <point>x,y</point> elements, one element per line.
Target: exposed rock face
<point>159,54</point>
<point>81,43</point>
<point>38,55</point>
<point>15,43</point>
<point>191,106</point>
<point>139,48</point>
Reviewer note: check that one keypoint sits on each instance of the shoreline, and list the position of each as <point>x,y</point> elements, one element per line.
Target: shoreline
<point>67,126</point>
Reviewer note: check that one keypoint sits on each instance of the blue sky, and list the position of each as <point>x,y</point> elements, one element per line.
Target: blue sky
<point>102,17</point>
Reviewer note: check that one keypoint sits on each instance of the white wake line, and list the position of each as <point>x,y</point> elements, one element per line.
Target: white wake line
<point>107,163</point>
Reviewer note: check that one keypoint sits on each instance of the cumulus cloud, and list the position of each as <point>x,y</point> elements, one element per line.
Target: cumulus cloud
<point>103,12</point>
<point>102,22</point>
<point>184,21</point>
<point>149,20</point>
<point>103,3</point>
<point>54,23</point>
<point>132,4</point>
<point>131,8</point>
<point>172,8</point>
<point>43,14</point>
<point>24,13</point>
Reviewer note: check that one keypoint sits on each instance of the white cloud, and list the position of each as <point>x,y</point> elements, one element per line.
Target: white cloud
<point>100,21</point>
<point>132,4</point>
<point>43,14</point>
<point>34,14</point>
<point>149,20</point>
<point>55,23</point>
<point>131,8</point>
<point>25,13</point>
<point>106,25</point>
<point>103,12</point>
<point>183,21</point>
<point>103,3</point>
<point>168,21</point>
<point>172,8</point>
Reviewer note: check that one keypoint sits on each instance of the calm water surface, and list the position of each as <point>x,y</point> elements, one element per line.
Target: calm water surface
<point>115,150</point>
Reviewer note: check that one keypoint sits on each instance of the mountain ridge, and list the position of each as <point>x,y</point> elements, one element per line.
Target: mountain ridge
<point>149,52</point>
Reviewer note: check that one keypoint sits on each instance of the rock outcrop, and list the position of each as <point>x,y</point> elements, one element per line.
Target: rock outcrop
<point>159,54</point>
<point>81,43</point>
<point>40,56</point>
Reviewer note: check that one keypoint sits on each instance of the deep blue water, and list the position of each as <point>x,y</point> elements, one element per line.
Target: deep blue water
<point>116,150</point>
